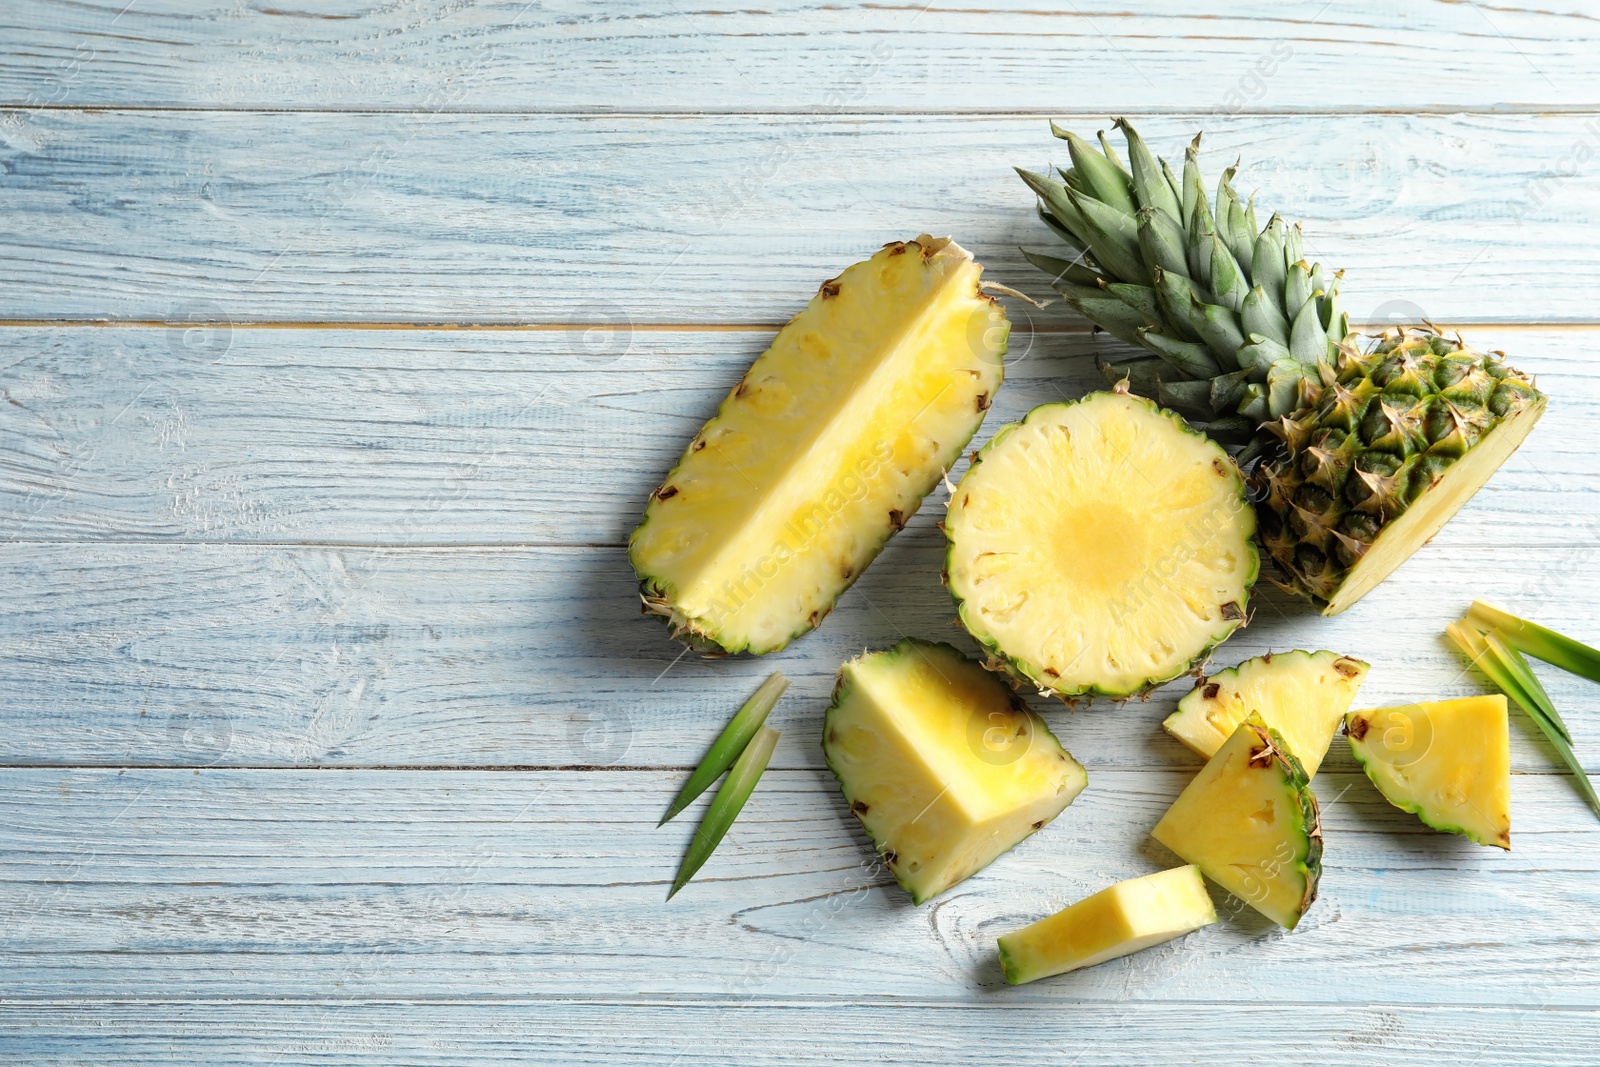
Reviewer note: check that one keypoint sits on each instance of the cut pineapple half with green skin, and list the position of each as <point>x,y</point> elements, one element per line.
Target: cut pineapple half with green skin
<point>945,767</point>
<point>823,450</point>
<point>1249,821</point>
<point>1302,695</point>
<point>1447,762</point>
<point>1100,547</point>
<point>1125,918</point>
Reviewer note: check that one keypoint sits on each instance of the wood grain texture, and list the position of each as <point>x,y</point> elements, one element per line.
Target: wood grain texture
<point>201,655</point>
<point>508,54</point>
<point>725,219</point>
<point>388,885</point>
<point>410,437</point>
<point>667,1032</point>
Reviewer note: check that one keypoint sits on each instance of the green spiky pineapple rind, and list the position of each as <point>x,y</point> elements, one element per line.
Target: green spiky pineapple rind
<point>1378,430</point>
<point>1017,670</point>
<point>841,689</point>
<point>1308,866</point>
<point>1411,807</point>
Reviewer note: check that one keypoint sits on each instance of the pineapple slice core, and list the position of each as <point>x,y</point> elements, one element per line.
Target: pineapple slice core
<point>1302,695</point>
<point>944,767</point>
<point>1437,506</point>
<point>824,449</point>
<point>1122,919</point>
<point>1447,762</point>
<point>1101,546</point>
<point>1249,821</point>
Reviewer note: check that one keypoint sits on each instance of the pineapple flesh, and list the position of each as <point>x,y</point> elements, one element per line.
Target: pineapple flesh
<point>1100,547</point>
<point>822,451</point>
<point>1123,919</point>
<point>1250,822</point>
<point>1447,762</point>
<point>945,768</point>
<point>1302,695</point>
<point>1366,453</point>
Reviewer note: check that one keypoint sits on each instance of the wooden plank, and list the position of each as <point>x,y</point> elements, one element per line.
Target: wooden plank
<point>799,56</point>
<point>385,885</point>
<point>412,437</point>
<point>667,1032</point>
<point>724,219</point>
<point>198,655</point>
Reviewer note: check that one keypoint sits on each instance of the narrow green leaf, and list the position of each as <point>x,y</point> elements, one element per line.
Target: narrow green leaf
<point>1297,289</point>
<point>1260,354</point>
<point>1056,196</point>
<point>1192,400</point>
<point>1219,328</point>
<point>1308,339</point>
<point>1556,649</point>
<point>1113,238</point>
<point>1149,183</point>
<point>1193,189</point>
<point>726,805</point>
<point>1512,662</point>
<point>1161,241</point>
<point>1477,649</point>
<point>1070,270</point>
<point>1175,293</point>
<point>1260,315</point>
<point>1140,298</point>
<point>1194,360</point>
<point>1227,279</point>
<point>1283,387</point>
<point>1266,262</point>
<point>1109,183</point>
<point>732,741</point>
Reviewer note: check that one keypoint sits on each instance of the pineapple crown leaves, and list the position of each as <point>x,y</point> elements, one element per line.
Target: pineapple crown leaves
<point>1235,320</point>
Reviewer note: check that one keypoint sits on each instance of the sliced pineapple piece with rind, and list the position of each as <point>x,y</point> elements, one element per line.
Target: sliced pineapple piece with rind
<point>1448,762</point>
<point>1302,695</point>
<point>1250,822</point>
<point>941,762</point>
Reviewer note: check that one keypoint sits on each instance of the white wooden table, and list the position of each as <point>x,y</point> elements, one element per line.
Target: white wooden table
<point>341,344</point>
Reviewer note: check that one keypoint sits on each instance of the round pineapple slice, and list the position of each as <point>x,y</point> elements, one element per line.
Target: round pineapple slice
<point>1100,547</point>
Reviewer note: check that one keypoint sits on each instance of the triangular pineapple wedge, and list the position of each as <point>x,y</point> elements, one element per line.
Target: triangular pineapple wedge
<point>1302,695</point>
<point>1447,762</point>
<point>1249,821</point>
<point>823,450</point>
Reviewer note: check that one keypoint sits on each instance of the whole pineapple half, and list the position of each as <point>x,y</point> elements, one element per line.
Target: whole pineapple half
<point>1361,454</point>
<point>822,451</point>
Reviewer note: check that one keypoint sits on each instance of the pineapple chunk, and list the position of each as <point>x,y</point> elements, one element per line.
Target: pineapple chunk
<point>945,767</point>
<point>1125,918</point>
<point>823,450</point>
<point>1447,762</point>
<point>1302,695</point>
<point>1100,547</point>
<point>1249,821</point>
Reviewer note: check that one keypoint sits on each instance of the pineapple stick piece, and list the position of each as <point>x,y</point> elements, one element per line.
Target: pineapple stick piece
<point>732,741</point>
<point>727,804</point>
<point>1557,649</point>
<point>1477,649</point>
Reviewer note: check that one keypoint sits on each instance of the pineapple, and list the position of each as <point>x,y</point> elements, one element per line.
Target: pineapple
<point>822,451</point>
<point>1447,762</point>
<point>1100,547</point>
<point>1302,695</point>
<point>1249,821</point>
<point>943,765</point>
<point>1364,454</point>
<point>1125,918</point>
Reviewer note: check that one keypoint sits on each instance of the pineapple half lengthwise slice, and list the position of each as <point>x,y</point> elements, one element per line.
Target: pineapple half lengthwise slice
<point>1447,762</point>
<point>1250,822</point>
<point>1368,452</point>
<point>822,451</point>
<point>1122,919</point>
<point>945,767</point>
<point>1100,546</point>
<point>1302,695</point>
